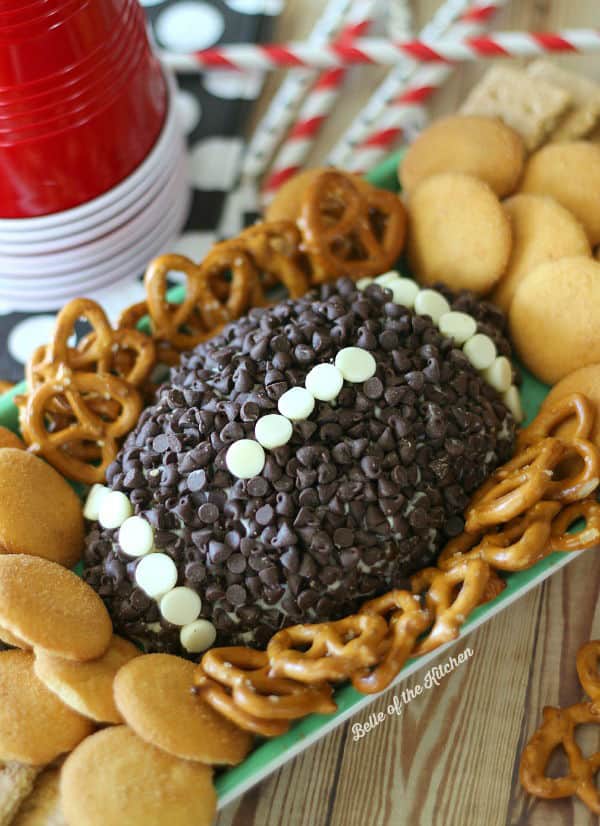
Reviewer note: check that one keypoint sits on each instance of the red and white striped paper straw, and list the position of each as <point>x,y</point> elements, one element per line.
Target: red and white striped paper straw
<point>400,19</point>
<point>382,52</point>
<point>394,83</point>
<point>399,113</point>
<point>280,114</point>
<point>316,108</point>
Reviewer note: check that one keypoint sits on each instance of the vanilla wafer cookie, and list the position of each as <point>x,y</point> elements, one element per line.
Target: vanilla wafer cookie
<point>40,514</point>
<point>87,687</point>
<point>569,172</point>
<point>51,608</point>
<point>483,147</point>
<point>35,726</point>
<point>554,317</point>
<point>153,693</point>
<point>115,778</point>
<point>542,230</point>
<point>458,233</point>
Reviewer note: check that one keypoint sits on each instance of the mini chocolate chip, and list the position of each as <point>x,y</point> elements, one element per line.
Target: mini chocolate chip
<point>415,380</point>
<point>269,575</point>
<point>341,454</point>
<point>373,388</point>
<point>291,559</point>
<point>324,607</point>
<point>305,428</point>
<point>307,599</point>
<point>233,539</point>
<point>197,480</point>
<point>370,467</point>
<point>418,519</point>
<point>321,542</point>
<point>343,537</point>
<point>349,558</point>
<point>208,513</point>
<point>285,504</point>
<point>232,432</point>
<point>195,572</point>
<point>326,473</point>
<point>308,456</point>
<point>308,498</point>
<point>272,595</point>
<point>285,537</point>
<point>249,411</point>
<point>308,567</point>
<point>236,564</point>
<point>218,552</point>
<point>330,432</point>
<point>265,515</point>
<point>160,443</point>
<point>257,486</point>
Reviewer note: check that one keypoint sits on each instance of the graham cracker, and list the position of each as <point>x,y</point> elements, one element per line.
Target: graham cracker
<point>531,106</point>
<point>16,783</point>
<point>42,807</point>
<point>585,95</point>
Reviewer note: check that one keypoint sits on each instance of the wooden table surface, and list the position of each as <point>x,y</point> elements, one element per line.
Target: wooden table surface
<point>451,759</point>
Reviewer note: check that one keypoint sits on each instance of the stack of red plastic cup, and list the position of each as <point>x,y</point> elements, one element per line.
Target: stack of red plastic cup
<point>93,177</point>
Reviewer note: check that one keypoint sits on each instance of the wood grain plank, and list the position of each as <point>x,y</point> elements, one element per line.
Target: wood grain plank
<point>296,795</point>
<point>570,616</point>
<point>444,734</point>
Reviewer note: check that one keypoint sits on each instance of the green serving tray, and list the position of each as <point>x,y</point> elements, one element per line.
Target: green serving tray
<point>272,754</point>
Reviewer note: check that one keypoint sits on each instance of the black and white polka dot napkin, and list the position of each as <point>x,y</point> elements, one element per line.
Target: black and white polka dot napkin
<point>214,109</point>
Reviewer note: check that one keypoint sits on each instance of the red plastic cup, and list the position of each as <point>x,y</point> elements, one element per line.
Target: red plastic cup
<point>76,130</point>
<point>99,77</point>
<point>36,103</point>
<point>74,77</point>
<point>60,36</point>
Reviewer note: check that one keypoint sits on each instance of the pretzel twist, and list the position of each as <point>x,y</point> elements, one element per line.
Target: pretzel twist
<point>449,609</point>
<point>516,546</point>
<point>558,729</point>
<point>84,426</point>
<point>82,399</point>
<point>516,486</point>
<point>194,320</point>
<point>350,228</point>
<point>549,419</point>
<point>335,649</point>
<point>246,673</point>
<point>561,540</point>
<point>407,622</point>
<point>275,247</point>
<point>588,661</point>
<point>219,698</point>
<point>580,483</point>
<point>493,588</point>
<point>128,354</point>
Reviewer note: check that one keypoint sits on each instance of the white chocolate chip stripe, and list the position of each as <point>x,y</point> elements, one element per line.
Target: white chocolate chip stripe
<point>155,573</point>
<point>246,458</point>
<point>478,348</point>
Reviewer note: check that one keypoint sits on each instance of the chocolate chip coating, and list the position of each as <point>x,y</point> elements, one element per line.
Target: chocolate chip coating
<point>367,490</point>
